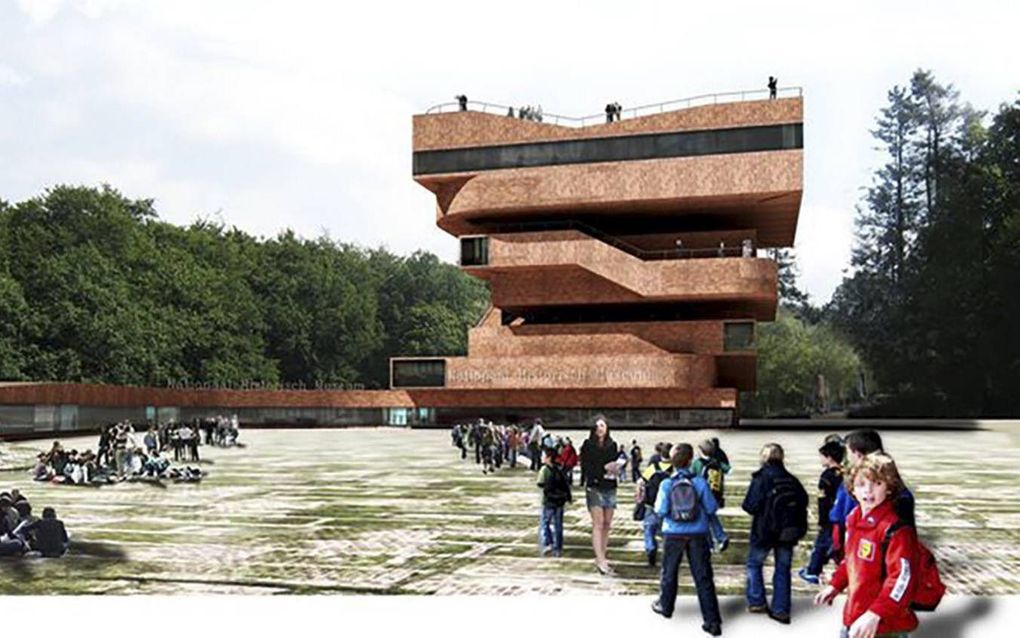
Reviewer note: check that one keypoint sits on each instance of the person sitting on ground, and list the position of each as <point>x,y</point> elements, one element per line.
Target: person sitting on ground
<point>72,469</point>
<point>41,471</point>
<point>708,466</point>
<point>155,465</point>
<point>684,503</point>
<point>50,535</point>
<point>8,515</point>
<point>57,458</point>
<point>25,519</point>
<point>89,467</point>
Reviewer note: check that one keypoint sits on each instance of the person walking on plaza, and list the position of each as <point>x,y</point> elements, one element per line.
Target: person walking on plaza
<point>710,466</point>
<point>831,455</point>
<point>535,445</point>
<point>778,503</point>
<point>598,472</point>
<point>635,461</point>
<point>555,496</point>
<point>684,503</point>
<point>647,491</point>
<point>568,459</point>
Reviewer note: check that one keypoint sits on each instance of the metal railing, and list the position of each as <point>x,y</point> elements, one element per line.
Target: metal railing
<point>637,111</point>
<point>616,242</point>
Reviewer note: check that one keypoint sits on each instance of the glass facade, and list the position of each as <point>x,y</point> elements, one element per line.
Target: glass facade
<point>748,139</point>
<point>738,336</point>
<point>418,373</point>
<point>474,251</point>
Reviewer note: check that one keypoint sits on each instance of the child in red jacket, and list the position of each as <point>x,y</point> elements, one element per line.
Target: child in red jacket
<point>881,556</point>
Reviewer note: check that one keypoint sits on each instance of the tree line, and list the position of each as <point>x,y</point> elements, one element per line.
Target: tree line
<point>933,297</point>
<point>95,288</point>
<point>934,289</point>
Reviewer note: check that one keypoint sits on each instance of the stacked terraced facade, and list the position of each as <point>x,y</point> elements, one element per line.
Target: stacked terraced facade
<point>622,258</point>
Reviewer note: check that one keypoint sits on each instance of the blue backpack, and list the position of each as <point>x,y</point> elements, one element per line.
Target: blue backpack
<point>683,500</point>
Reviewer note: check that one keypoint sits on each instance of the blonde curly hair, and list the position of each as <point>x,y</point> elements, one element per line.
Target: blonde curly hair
<point>878,467</point>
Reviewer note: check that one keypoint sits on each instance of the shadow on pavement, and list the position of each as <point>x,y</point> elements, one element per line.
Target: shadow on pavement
<point>951,625</point>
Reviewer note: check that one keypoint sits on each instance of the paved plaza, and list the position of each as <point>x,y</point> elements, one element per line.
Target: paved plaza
<point>397,511</point>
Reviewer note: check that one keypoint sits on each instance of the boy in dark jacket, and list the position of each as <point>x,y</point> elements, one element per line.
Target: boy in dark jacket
<point>778,503</point>
<point>552,478</point>
<point>831,455</point>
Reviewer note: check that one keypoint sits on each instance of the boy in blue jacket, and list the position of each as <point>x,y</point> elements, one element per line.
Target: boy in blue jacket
<point>684,504</point>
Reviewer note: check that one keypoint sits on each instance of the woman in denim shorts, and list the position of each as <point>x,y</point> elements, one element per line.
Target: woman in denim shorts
<point>599,471</point>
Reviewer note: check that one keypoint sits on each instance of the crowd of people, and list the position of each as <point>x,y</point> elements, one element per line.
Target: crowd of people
<point>22,533</point>
<point>122,453</point>
<point>497,445</point>
<point>865,520</point>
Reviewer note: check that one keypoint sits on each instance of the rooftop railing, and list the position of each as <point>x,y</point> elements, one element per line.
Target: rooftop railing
<point>637,111</point>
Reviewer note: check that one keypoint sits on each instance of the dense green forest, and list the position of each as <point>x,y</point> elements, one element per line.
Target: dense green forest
<point>935,288</point>
<point>93,287</point>
<point>935,281</point>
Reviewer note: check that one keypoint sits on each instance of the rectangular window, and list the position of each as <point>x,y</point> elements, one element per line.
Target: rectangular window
<point>474,251</point>
<point>738,336</point>
<point>748,139</point>
<point>418,373</point>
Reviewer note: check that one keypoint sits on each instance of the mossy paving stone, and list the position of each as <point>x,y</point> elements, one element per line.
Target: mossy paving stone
<point>331,511</point>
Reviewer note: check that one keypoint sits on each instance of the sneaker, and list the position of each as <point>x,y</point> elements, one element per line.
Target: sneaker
<point>757,609</point>
<point>808,578</point>
<point>714,629</point>
<point>783,619</point>
<point>547,550</point>
<point>657,608</point>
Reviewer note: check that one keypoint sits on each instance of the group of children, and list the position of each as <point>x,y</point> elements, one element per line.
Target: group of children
<point>23,534</point>
<point>865,526</point>
<point>495,445</point>
<point>122,456</point>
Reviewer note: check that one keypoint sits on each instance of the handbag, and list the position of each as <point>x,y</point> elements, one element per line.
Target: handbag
<point>639,511</point>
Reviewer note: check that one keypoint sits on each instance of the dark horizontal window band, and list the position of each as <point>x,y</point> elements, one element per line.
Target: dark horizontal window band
<point>612,149</point>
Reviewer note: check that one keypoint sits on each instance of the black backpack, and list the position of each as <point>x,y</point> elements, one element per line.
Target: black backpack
<point>786,505</point>
<point>653,483</point>
<point>713,474</point>
<point>556,490</point>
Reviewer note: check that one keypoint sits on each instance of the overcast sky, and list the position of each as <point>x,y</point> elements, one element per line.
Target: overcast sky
<point>298,114</point>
